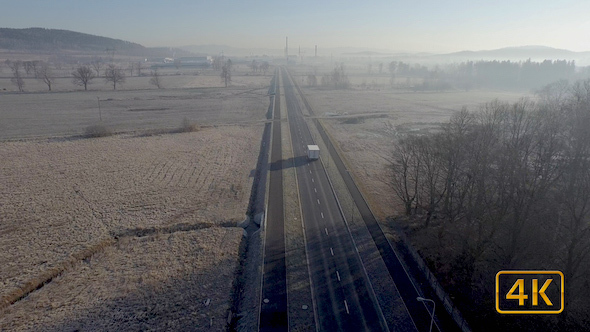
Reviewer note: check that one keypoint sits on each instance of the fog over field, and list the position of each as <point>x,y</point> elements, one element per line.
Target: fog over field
<point>136,144</point>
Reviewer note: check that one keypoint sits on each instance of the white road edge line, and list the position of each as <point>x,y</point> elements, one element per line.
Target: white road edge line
<point>346,305</point>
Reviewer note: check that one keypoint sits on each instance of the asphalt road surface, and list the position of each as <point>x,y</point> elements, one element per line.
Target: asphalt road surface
<point>419,311</point>
<point>273,309</point>
<point>342,295</point>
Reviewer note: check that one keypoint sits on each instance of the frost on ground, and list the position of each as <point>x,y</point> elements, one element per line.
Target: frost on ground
<point>165,282</point>
<point>365,123</point>
<point>61,199</point>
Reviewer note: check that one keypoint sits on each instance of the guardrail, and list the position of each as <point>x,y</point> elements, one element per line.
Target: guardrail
<point>434,284</point>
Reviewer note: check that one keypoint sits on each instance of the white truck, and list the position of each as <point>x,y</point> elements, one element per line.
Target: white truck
<point>313,152</point>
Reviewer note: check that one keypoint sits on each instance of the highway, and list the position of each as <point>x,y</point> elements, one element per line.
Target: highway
<point>419,311</point>
<point>343,298</point>
<point>273,309</point>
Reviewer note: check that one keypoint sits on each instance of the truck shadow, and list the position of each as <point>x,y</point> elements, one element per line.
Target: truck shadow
<point>288,163</point>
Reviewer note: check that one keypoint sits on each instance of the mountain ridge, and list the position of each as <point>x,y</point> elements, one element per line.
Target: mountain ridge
<point>45,40</point>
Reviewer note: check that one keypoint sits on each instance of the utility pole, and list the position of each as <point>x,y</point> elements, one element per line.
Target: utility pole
<point>99,111</point>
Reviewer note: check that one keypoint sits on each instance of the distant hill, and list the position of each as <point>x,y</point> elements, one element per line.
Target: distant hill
<point>40,40</point>
<point>50,39</point>
<point>520,53</point>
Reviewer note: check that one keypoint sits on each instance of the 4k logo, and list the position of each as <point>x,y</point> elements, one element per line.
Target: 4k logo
<point>530,292</point>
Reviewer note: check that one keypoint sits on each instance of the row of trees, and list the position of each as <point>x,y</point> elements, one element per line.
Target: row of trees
<point>495,74</point>
<point>81,76</point>
<point>39,69</point>
<point>85,74</point>
<point>466,75</point>
<point>506,74</point>
<point>504,188</point>
<point>337,78</point>
<point>256,66</point>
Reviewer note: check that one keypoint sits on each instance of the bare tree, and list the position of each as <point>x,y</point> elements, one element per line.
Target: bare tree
<point>35,66</point>
<point>405,171</point>
<point>27,65</point>
<point>156,79</point>
<point>31,67</point>
<point>338,78</point>
<point>254,66</point>
<point>312,79</point>
<point>138,68</point>
<point>17,77</point>
<point>392,67</point>
<point>83,76</point>
<point>264,66</point>
<point>14,65</point>
<point>114,74</point>
<point>97,65</point>
<point>226,72</point>
<point>217,62</point>
<point>131,68</point>
<point>45,74</point>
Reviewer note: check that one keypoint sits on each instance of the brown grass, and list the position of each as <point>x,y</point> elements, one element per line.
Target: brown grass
<point>97,130</point>
<point>60,199</point>
<point>177,281</point>
<point>188,126</point>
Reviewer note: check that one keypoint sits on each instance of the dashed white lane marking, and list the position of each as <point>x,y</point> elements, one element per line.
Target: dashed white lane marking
<point>314,189</point>
<point>312,180</point>
<point>338,275</point>
<point>322,215</point>
<point>326,230</point>
<point>332,251</point>
<point>318,201</point>
<point>310,172</point>
<point>346,305</point>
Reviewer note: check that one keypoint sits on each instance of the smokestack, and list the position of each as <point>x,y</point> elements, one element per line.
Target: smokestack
<point>287,49</point>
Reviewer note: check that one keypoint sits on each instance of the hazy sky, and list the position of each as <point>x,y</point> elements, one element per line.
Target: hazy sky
<point>418,26</point>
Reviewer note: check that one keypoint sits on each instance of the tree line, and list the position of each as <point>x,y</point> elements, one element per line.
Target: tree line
<point>506,74</point>
<point>336,79</point>
<point>477,74</point>
<point>507,187</point>
<point>83,75</point>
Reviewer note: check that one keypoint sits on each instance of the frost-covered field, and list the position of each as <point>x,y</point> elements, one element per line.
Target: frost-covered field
<point>58,199</point>
<point>166,282</point>
<point>43,114</point>
<point>365,122</point>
